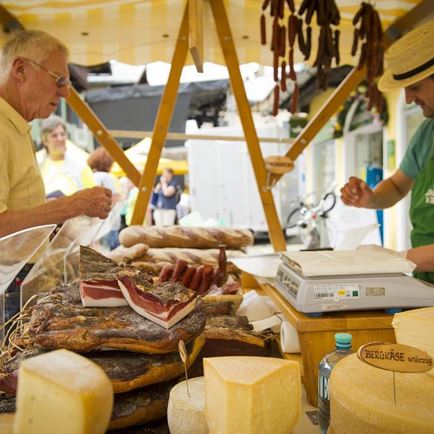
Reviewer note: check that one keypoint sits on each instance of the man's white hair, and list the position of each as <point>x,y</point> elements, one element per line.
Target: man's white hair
<point>32,44</point>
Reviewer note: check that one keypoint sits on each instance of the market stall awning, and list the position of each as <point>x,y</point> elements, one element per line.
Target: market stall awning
<point>138,155</point>
<point>139,32</point>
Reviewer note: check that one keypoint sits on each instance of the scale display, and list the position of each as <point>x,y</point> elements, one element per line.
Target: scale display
<point>351,292</point>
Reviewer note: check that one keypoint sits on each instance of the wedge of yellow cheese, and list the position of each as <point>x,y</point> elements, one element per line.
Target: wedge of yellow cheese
<point>416,328</point>
<point>362,400</point>
<point>251,395</point>
<point>62,392</point>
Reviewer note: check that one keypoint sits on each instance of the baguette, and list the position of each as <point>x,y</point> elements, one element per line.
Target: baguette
<point>190,256</point>
<point>179,236</point>
<point>124,255</point>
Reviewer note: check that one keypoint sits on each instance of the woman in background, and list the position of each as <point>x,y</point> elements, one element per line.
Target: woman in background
<point>101,162</point>
<point>62,174</point>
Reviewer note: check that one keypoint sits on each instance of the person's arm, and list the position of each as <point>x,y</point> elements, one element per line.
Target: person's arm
<point>92,202</point>
<point>168,190</point>
<point>423,257</point>
<point>386,194</point>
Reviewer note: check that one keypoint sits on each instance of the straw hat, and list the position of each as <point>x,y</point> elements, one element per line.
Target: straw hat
<point>410,59</point>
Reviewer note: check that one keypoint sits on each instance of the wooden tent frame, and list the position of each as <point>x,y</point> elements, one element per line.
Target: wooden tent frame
<point>190,33</point>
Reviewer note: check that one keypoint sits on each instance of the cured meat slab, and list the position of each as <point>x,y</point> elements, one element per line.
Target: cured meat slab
<point>127,371</point>
<point>98,283</point>
<point>59,320</point>
<point>165,304</point>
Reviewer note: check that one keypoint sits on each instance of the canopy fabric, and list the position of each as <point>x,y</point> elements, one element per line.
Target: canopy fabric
<point>138,154</point>
<point>140,32</point>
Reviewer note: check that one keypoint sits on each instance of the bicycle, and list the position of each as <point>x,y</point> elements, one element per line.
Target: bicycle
<point>310,220</point>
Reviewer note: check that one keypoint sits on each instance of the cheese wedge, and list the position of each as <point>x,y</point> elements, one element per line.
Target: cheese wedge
<point>362,401</point>
<point>62,392</point>
<point>186,408</point>
<point>416,328</point>
<point>251,395</point>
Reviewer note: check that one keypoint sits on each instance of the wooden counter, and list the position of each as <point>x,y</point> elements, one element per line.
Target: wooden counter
<point>316,335</point>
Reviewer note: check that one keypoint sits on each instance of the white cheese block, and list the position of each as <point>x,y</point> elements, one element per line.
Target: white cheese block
<point>186,413</point>
<point>251,395</point>
<point>416,328</point>
<point>62,392</point>
<point>361,400</point>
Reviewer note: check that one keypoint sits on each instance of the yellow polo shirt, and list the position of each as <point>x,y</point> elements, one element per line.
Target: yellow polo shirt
<point>21,185</point>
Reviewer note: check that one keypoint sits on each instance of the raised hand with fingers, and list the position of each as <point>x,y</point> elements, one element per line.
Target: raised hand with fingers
<point>357,193</point>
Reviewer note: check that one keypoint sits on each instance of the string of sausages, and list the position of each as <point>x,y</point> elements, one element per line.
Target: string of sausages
<point>369,36</point>
<point>327,18</point>
<point>283,34</point>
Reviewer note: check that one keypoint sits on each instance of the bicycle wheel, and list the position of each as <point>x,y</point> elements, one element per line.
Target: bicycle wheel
<point>293,217</point>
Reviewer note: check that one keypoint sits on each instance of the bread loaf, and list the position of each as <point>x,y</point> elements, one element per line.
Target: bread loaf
<point>191,256</point>
<point>125,255</point>
<point>179,236</point>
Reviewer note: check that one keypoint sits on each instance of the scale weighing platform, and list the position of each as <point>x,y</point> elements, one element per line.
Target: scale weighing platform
<point>342,291</point>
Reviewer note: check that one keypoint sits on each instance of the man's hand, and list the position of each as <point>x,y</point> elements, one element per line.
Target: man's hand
<point>357,193</point>
<point>93,202</point>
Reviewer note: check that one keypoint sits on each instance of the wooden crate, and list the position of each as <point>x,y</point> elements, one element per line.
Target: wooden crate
<point>316,335</point>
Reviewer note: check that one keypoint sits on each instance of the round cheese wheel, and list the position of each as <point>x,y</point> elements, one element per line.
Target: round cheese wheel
<point>186,413</point>
<point>361,400</point>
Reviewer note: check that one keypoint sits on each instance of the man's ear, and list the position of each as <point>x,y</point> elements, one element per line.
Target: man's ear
<point>18,69</point>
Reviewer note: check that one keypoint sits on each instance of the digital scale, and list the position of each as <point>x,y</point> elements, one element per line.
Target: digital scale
<point>342,292</point>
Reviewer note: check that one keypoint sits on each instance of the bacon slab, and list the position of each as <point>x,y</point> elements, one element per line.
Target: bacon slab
<point>98,283</point>
<point>164,304</point>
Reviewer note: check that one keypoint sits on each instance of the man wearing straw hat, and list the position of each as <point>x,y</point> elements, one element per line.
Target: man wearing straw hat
<point>410,65</point>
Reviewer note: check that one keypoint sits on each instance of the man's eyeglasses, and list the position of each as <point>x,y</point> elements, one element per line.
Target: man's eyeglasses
<point>60,80</point>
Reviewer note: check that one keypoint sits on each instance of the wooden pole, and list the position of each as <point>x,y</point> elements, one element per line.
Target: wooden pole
<point>277,237</point>
<point>85,113</point>
<point>162,123</point>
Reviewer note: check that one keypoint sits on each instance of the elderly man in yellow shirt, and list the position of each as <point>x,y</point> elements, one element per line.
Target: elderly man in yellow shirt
<point>33,78</point>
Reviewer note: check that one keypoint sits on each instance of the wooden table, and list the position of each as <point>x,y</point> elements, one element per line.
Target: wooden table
<point>316,334</point>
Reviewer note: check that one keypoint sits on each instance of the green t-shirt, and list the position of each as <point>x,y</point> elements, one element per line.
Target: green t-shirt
<point>419,150</point>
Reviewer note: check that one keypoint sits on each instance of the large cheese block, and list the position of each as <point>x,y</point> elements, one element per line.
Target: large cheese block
<point>62,392</point>
<point>361,400</point>
<point>416,328</point>
<point>186,408</point>
<point>251,395</point>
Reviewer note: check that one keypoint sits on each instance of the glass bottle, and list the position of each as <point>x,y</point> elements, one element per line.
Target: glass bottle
<point>343,348</point>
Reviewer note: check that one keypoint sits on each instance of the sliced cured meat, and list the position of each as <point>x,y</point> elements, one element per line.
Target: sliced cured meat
<point>101,293</point>
<point>165,304</point>
<point>59,320</point>
<point>127,371</point>
<point>99,286</point>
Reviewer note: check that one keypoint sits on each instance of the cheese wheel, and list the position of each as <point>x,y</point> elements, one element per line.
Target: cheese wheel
<point>416,328</point>
<point>186,413</point>
<point>251,395</point>
<point>361,400</point>
<point>62,392</point>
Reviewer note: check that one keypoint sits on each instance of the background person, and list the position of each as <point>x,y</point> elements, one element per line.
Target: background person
<point>165,199</point>
<point>101,162</point>
<point>60,171</point>
<point>410,64</point>
<point>34,77</point>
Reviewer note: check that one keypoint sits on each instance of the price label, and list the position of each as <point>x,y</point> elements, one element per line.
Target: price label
<point>395,357</point>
